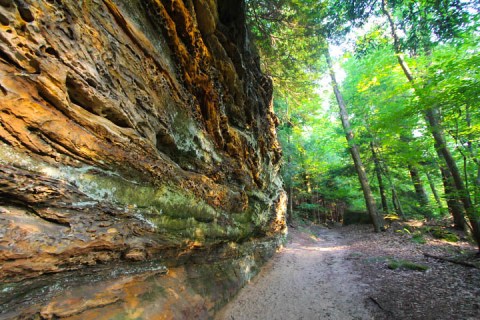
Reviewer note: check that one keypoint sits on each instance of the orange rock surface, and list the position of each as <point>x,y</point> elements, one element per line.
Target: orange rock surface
<point>131,130</point>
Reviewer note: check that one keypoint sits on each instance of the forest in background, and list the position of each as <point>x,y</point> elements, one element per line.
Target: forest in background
<point>406,78</point>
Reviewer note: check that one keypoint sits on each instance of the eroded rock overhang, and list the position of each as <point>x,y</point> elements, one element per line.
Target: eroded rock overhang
<point>131,130</point>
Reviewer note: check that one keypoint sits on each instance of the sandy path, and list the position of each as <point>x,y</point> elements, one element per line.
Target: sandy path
<point>309,279</point>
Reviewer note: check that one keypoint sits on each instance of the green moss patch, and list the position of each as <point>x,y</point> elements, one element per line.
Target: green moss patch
<point>395,264</point>
<point>440,233</point>
<point>418,237</point>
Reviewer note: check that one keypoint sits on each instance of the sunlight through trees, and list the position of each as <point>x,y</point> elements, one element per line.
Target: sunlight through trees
<point>411,89</point>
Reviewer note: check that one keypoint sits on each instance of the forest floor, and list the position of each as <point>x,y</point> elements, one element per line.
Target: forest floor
<point>352,273</point>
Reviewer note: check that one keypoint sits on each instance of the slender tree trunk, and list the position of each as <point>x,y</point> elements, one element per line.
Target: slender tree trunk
<point>468,120</point>
<point>306,180</point>
<point>420,193</point>
<point>477,188</point>
<point>431,183</point>
<point>433,119</point>
<point>324,204</point>
<point>441,145</point>
<point>290,204</point>
<point>378,222</point>
<point>473,154</point>
<point>378,172</point>
<point>395,207</point>
<point>290,187</point>
<point>455,206</point>
<point>397,204</point>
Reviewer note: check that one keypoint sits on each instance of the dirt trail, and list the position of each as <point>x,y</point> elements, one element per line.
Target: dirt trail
<point>309,279</point>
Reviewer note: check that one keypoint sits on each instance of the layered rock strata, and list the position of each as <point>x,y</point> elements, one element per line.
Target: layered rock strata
<point>139,290</point>
<point>131,130</point>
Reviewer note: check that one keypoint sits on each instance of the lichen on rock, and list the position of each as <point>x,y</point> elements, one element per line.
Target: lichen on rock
<point>131,130</point>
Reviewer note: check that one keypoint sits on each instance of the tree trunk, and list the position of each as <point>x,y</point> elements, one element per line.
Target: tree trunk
<point>397,205</point>
<point>420,193</point>
<point>433,119</point>
<point>289,217</point>
<point>378,172</point>
<point>306,180</point>
<point>441,145</point>
<point>324,206</point>
<point>455,206</point>
<point>473,154</point>
<point>477,188</point>
<point>395,199</point>
<point>378,222</point>
<point>290,204</point>
<point>435,193</point>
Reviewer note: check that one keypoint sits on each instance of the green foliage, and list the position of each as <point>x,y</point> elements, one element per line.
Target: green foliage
<point>395,264</point>
<point>440,39</point>
<point>442,233</point>
<point>427,23</point>
<point>387,110</point>
<point>308,206</point>
<point>288,42</point>
<point>437,232</point>
<point>417,237</point>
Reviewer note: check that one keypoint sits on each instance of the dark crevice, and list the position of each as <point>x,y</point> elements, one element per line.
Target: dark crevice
<point>24,11</point>
<point>79,94</point>
<point>92,83</point>
<point>52,52</point>
<point>186,159</point>
<point>5,57</point>
<point>5,141</point>
<point>4,20</point>
<point>6,3</point>
<point>231,14</point>
<point>35,65</point>
<point>3,90</point>
<point>166,144</point>
<point>50,219</point>
<point>8,200</point>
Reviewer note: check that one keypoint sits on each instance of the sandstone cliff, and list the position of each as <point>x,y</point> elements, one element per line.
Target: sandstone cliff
<point>131,130</point>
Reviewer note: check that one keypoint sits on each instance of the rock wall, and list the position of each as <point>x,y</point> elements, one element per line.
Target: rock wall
<point>139,290</point>
<point>131,130</point>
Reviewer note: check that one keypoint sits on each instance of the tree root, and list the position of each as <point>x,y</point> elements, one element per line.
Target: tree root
<point>380,306</point>
<point>463,263</point>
